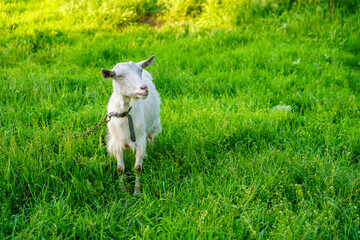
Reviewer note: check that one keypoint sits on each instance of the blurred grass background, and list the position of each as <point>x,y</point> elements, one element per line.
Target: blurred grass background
<point>29,16</point>
<point>260,115</point>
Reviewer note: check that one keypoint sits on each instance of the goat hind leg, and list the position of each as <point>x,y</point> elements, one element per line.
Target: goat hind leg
<point>150,139</point>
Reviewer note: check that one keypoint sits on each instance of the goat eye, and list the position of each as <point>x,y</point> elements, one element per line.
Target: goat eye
<point>120,76</point>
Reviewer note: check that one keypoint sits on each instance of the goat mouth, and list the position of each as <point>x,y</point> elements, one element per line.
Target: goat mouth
<point>143,94</point>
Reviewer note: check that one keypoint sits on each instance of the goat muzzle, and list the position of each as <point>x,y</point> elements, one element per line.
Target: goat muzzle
<point>145,89</point>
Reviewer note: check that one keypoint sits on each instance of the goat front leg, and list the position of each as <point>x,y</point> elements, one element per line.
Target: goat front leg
<point>121,169</point>
<point>138,168</point>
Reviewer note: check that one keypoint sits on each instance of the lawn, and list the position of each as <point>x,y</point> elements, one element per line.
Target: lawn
<point>260,116</point>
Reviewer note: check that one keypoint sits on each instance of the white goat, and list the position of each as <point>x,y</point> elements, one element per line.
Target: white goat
<point>133,94</point>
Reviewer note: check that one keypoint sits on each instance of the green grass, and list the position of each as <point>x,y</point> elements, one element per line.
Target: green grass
<point>228,164</point>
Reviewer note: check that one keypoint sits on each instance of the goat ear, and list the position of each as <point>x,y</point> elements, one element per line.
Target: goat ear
<point>107,73</point>
<point>146,63</point>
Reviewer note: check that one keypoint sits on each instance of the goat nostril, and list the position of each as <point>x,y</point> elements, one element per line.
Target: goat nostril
<point>144,88</point>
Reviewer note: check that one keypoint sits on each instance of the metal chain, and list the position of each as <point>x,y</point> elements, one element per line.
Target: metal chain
<point>106,119</point>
